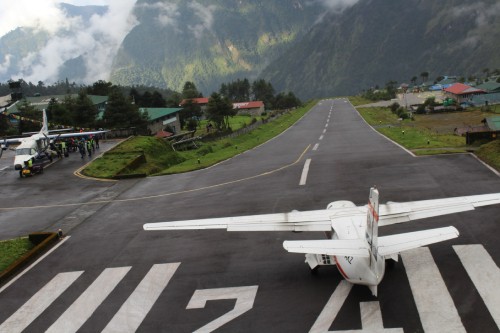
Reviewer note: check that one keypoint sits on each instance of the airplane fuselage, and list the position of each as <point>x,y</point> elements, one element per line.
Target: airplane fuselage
<point>357,270</point>
<point>28,149</point>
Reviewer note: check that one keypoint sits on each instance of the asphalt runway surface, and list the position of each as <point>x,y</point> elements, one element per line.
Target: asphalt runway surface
<point>112,276</point>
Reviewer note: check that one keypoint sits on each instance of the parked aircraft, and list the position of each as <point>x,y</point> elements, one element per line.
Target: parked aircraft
<point>353,245</point>
<point>36,145</point>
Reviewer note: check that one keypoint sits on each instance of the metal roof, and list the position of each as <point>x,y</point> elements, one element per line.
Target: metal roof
<point>156,113</point>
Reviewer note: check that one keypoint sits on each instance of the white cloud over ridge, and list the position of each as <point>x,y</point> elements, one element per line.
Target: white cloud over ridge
<point>96,40</point>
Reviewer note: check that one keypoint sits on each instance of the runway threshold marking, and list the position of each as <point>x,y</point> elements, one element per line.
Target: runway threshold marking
<point>305,171</point>
<point>434,303</point>
<point>39,302</point>
<point>99,202</point>
<point>140,302</point>
<point>332,308</point>
<point>81,310</point>
<point>485,275</point>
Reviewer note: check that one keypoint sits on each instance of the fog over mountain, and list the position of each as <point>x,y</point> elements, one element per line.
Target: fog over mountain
<point>315,48</point>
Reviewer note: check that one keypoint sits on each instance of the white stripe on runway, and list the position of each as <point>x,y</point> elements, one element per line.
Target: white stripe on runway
<point>371,319</point>
<point>137,306</point>
<point>305,171</point>
<point>316,147</point>
<point>39,302</point>
<point>434,303</point>
<point>321,137</point>
<point>324,131</point>
<point>81,310</point>
<point>332,308</point>
<point>485,275</point>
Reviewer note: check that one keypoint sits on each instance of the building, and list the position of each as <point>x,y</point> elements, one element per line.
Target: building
<point>490,87</point>
<point>159,118</point>
<point>201,101</point>
<point>255,108</point>
<point>42,102</point>
<point>462,93</point>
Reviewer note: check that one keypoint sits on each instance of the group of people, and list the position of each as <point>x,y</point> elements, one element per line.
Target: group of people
<point>84,145</point>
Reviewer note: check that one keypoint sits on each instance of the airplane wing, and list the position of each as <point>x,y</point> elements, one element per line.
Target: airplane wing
<point>323,220</point>
<point>333,247</point>
<point>315,220</point>
<point>394,212</point>
<point>74,134</point>
<point>388,245</point>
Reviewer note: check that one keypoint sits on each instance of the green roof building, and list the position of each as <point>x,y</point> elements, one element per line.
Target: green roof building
<point>159,118</point>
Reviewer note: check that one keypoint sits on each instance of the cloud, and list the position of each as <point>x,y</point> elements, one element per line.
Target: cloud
<point>95,41</point>
<point>4,66</point>
<point>337,5</point>
<point>206,16</point>
<point>483,14</point>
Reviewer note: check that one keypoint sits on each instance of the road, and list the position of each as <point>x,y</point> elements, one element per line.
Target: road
<point>110,275</point>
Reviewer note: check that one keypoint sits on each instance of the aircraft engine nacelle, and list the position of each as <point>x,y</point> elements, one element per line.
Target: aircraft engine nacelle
<point>340,204</point>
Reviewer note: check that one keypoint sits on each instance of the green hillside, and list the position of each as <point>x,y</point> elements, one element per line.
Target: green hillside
<point>377,41</point>
<point>208,43</point>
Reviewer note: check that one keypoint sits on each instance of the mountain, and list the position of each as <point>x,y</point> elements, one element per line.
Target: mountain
<point>380,40</point>
<point>208,42</point>
<point>38,54</point>
<point>315,48</point>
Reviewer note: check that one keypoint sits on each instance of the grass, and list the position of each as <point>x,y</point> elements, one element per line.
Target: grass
<point>213,152</point>
<point>432,134</point>
<point>11,250</point>
<point>490,153</point>
<point>160,159</point>
<point>158,155</point>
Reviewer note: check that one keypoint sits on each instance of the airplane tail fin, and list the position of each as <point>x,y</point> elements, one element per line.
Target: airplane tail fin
<point>45,124</point>
<point>372,226</point>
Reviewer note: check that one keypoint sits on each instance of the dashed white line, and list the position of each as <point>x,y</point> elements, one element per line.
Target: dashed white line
<point>316,147</point>
<point>321,137</point>
<point>324,131</point>
<point>305,171</point>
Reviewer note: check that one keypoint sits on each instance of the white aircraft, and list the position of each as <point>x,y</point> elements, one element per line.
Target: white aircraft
<point>36,145</point>
<point>353,244</point>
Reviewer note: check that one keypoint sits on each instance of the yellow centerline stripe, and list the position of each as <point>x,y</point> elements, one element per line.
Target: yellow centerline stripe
<point>164,194</point>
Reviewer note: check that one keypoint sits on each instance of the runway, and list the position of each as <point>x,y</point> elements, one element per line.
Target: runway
<point>112,276</point>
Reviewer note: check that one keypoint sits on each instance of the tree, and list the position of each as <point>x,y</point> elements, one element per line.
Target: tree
<point>121,113</point>
<point>84,113</point>
<point>100,88</point>
<point>286,101</point>
<point>414,80</point>
<point>424,76</point>
<point>263,91</point>
<point>31,118</point>
<point>189,91</point>
<point>58,113</point>
<point>219,109</point>
<point>236,91</point>
<point>190,115</point>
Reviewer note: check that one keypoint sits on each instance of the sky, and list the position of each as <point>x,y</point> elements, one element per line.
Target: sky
<point>95,41</point>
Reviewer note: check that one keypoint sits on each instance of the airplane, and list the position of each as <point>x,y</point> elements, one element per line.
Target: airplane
<point>37,145</point>
<point>353,244</point>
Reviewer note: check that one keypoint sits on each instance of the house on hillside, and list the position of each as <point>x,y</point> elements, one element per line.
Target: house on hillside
<point>255,108</point>
<point>490,87</point>
<point>490,130</point>
<point>462,93</point>
<point>159,118</point>
<point>201,101</point>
